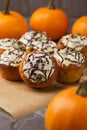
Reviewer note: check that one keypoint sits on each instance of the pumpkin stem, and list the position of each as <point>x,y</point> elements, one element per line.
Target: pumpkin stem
<point>82,89</point>
<point>6,8</point>
<point>51,4</point>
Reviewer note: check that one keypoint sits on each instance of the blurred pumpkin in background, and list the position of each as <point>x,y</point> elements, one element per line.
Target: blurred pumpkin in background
<point>12,24</point>
<point>68,109</point>
<point>80,26</point>
<point>51,20</point>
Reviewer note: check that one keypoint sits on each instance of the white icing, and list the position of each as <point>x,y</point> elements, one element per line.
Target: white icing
<point>44,45</point>
<point>38,41</point>
<point>76,41</point>
<point>38,64</point>
<point>7,43</point>
<point>33,36</point>
<point>12,57</point>
<point>67,57</point>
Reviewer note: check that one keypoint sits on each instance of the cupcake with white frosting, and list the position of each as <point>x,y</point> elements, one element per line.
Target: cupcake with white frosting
<point>75,42</point>
<point>70,65</point>
<point>38,69</point>
<point>33,36</point>
<point>37,41</point>
<point>47,46</point>
<point>6,44</point>
<point>10,61</point>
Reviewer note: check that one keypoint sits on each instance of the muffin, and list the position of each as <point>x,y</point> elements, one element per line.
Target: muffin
<point>47,46</point>
<point>33,36</point>
<point>38,69</point>
<point>9,63</point>
<point>36,41</point>
<point>70,65</point>
<point>6,44</point>
<point>75,42</point>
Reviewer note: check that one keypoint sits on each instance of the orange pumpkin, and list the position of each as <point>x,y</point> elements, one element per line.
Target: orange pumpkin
<point>68,109</point>
<point>12,24</point>
<point>51,20</point>
<point>80,26</point>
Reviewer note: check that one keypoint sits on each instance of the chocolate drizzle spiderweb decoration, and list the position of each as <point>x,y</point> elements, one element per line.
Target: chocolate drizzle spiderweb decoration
<point>38,67</point>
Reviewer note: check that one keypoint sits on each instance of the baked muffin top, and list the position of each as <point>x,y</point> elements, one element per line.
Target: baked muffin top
<point>35,40</point>
<point>76,42</point>
<point>38,67</point>
<point>7,43</point>
<point>33,36</point>
<point>44,45</point>
<point>12,57</point>
<point>67,57</point>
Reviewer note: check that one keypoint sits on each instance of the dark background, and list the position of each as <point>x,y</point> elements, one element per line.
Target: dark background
<point>73,8</point>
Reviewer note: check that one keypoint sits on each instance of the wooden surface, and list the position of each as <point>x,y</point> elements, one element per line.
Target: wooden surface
<point>18,99</point>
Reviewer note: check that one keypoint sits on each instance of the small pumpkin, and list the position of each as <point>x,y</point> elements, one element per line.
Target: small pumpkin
<point>68,109</point>
<point>12,24</point>
<point>80,26</point>
<point>51,20</point>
